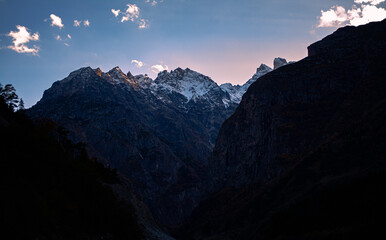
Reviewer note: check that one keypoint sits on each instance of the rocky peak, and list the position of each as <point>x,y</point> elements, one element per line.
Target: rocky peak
<point>279,62</point>
<point>187,82</point>
<point>236,92</point>
<point>178,71</point>
<point>262,70</point>
<point>117,73</point>
<point>130,76</point>
<point>83,70</point>
<point>83,73</point>
<point>117,76</point>
<point>98,72</point>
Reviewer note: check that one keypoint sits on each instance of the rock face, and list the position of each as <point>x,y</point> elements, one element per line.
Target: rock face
<point>313,200</point>
<point>157,133</point>
<point>338,45</point>
<point>291,110</point>
<point>306,147</point>
<point>279,62</point>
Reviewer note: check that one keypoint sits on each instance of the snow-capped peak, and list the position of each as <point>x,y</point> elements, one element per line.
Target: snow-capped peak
<point>187,82</point>
<point>144,80</point>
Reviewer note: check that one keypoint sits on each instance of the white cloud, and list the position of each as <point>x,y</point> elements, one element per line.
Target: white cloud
<point>66,44</point>
<point>132,14</point>
<point>369,14</point>
<point>69,36</point>
<point>337,16</point>
<point>372,2</point>
<point>20,38</point>
<point>137,63</point>
<point>159,68</point>
<point>77,23</point>
<point>86,23</point>
<point>115,12</point>
<point>58,37</point>
<point>56,21</point>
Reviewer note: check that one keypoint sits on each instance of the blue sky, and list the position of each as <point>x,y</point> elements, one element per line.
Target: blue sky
<point>226,40</point>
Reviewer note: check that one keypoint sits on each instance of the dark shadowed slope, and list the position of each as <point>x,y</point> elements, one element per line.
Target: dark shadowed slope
<point>336,192</point>
<point>50,189</point>
<point>309,141</point>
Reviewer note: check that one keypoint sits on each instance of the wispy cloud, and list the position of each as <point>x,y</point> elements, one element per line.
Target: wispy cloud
<point>137,63</point>
<point>64,40</point>
<point>159,68</point>
<point>21,38</point>
<point>154,2</point>
<point>56,21</point>
<point>143,23</point>
<point>78,23</point>
<point>132,14</point>
<point>366,12</point>
<point>115,12</point>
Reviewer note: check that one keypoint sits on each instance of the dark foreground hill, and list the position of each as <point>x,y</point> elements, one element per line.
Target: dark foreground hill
<point>304,155</point>
<point>50,189</point>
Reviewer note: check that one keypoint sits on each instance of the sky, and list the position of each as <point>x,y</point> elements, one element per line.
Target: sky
<point>43,41</point>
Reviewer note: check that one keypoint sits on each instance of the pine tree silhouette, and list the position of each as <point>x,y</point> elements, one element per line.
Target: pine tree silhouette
<point>8,94</point>
<point>21,105</point>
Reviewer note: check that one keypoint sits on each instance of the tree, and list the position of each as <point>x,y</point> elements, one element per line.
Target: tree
<point>21,105</point>
<point>8,94</point>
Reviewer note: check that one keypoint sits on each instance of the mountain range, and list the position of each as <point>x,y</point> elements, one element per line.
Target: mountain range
<point>157,133</point>
<point>297,152</point>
